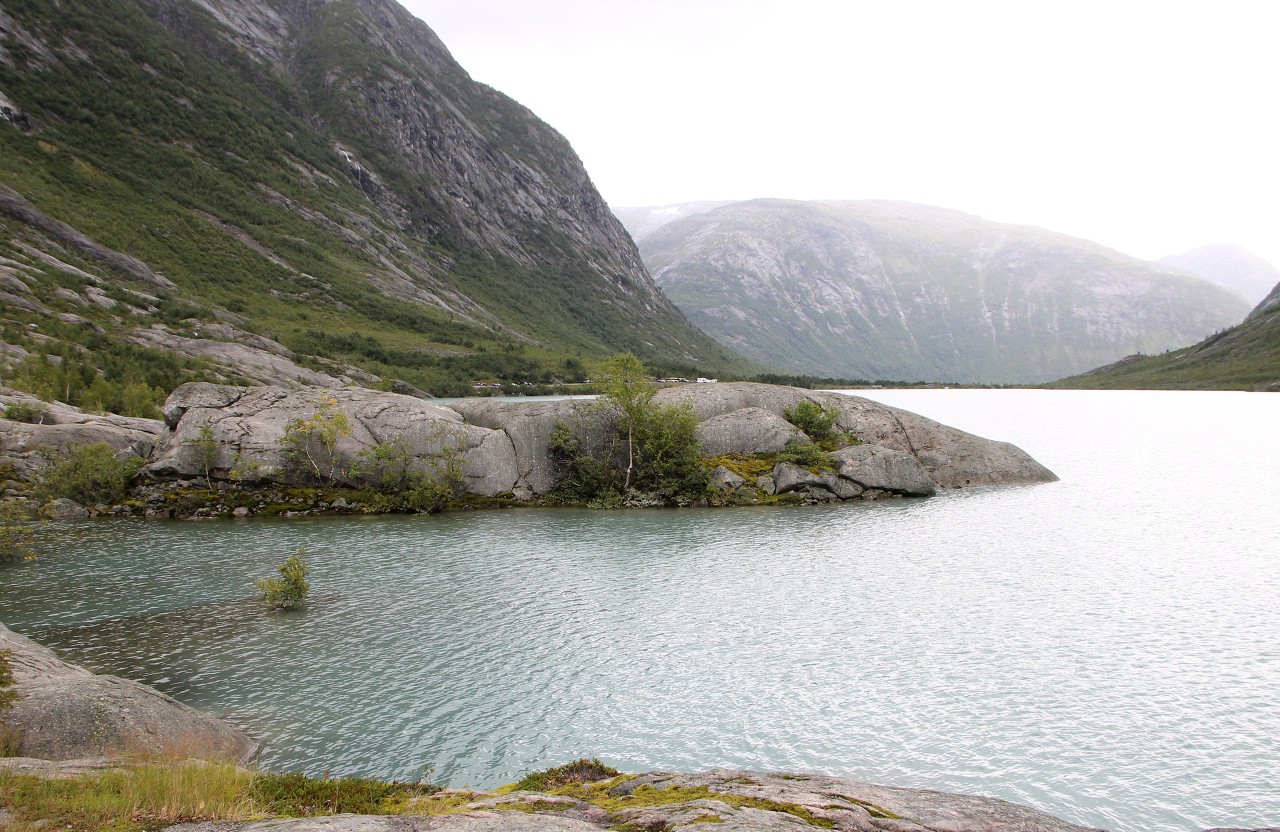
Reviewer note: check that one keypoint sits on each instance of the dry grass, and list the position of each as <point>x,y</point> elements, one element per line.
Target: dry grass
<point>142,797</point>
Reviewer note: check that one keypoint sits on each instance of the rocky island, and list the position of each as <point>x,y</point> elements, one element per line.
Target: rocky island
<point>225,441</point>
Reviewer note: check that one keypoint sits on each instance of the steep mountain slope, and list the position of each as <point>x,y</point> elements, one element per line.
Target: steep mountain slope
<point>1244,357</point>
<point>1230,266</point>
<point>319,176</point>
<point>887,290</point>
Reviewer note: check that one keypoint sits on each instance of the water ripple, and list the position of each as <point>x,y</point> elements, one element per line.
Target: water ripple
<point>1102,647</point>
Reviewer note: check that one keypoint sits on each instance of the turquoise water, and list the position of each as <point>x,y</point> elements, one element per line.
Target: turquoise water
<point>1105,647</point>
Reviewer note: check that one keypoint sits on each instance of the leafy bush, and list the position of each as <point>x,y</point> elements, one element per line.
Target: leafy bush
<point>289,591</point>
<point>17,535</point>
<point>296,795</point>
<point>19,412</point>
<point>816,419</point>
<point>89,475</point>
<point>206,448</point>
<point>807,455</point>
<point>313,439</point>
<point>624,443</point>
<point>397,481</point>
<point>579,771</point>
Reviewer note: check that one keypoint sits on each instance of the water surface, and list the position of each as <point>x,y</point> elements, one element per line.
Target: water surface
<point>1105,647</point>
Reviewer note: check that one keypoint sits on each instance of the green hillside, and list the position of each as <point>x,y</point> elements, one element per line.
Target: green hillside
<point>1244,357</point>
<point>334,191</point>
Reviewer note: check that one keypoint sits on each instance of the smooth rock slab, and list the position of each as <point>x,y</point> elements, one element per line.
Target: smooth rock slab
<point>65,712</point>
<point>872,466</point>
<point>751,430</point>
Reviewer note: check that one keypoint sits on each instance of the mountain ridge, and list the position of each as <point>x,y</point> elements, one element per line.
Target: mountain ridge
<point>323,176</point>
<point>881,289</point>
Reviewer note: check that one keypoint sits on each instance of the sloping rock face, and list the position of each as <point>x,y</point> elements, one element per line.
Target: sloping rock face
<point>529,426</point>
<point>249,427</point>
<point>952,458</point>
<point>61,428</point>
<point>751,430</point>
<point>64,712</point>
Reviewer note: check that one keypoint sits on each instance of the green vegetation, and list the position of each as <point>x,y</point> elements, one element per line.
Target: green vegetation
<point>17,535</point>
<point>89,475</point>
<point>157,138</point>
<point>154,795</point>
<point>97,374</point>
<point>624,445</point>
<point>296,795</point>
<point>579,771</point>
<point>815,419</point>
<point>207,447</point>
<point>397,485</point>
<point>818,421</point>
<point>807,455</point>
<point>312,439</point>
<point>10,738</point>
<point>289,591</point>
<point>29,414</point>
<point>1245,357</point>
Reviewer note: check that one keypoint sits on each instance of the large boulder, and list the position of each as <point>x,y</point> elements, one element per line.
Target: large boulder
<point>248,426</point>
<point>60,428</point>
<point>64,712</point>
<point>953,458</point>
<point>876,467</point>
<point>529,426</point>
<point>751,430</point>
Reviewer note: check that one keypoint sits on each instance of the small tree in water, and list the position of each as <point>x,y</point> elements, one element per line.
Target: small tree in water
<point>289,591</point>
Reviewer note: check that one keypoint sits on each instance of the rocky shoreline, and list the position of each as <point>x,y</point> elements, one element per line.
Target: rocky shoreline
<point>235,451</point>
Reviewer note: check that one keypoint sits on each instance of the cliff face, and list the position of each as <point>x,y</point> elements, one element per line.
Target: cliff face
<point>318,173</point>
<point>885,290</point>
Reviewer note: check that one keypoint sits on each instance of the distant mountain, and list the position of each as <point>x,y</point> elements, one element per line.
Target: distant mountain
<point>298,192</point>
<point>891,290</point>
<point>1230,266</point>
<point>641,222</point>
<point>1244,357</point>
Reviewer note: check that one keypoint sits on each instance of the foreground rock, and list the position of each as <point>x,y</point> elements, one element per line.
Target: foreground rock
<point>741,801</point>
<point>64,712</point>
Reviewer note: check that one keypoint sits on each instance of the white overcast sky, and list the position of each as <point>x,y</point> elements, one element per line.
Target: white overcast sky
<point>1150,127</point>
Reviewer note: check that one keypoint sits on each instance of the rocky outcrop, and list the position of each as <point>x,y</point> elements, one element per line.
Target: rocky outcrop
<point>529,426</point>
<point>952,458</point>
<point>873,467</point>
<point>58,428</point>
<point>65,712</point>
<point>267,436</point>
<point>248,427</point>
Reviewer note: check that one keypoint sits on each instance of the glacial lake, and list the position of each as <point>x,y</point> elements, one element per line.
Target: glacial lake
<point>1106,648</point>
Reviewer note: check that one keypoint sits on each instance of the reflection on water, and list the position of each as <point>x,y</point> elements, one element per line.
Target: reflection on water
<point>1102,647</point>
